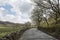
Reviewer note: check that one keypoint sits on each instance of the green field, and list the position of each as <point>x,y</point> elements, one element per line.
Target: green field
<point>6,30</point>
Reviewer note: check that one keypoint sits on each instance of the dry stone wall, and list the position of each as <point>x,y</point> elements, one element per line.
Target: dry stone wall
<point>15,35</point>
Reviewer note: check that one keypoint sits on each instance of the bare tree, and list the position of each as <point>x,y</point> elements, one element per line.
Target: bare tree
<point>49,4</point>
<point>27,25</point>
<point>36,17</point>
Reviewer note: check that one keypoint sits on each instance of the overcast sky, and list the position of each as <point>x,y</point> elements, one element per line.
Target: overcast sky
<point>17,11</point>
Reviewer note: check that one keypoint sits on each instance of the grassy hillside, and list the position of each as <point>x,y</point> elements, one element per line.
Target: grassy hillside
<point>7,30</point>
<point>8,27</point>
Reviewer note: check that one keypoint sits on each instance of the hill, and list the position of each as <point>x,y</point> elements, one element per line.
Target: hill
<point>9,24</point>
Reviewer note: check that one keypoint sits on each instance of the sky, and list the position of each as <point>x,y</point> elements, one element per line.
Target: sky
<point>17,11</point>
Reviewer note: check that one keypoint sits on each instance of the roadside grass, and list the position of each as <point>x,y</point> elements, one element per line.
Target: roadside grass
<point>53,30</point>
<point>7,30</point>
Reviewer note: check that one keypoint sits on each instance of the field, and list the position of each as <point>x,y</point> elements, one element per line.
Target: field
<point>6,30</point>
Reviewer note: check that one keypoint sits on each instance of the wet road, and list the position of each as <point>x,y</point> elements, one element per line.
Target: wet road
<point>35,34</point>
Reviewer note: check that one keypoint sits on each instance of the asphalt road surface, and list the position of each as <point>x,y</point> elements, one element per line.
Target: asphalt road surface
<point>35,34</point>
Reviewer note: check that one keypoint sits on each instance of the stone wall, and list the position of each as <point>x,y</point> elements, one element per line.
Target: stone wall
<point>15,35</point>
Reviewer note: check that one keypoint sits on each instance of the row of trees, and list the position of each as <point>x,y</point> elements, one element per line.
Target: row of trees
<point>45,10</point>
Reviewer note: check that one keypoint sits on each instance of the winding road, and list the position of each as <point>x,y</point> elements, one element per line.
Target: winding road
<point>35,34</point>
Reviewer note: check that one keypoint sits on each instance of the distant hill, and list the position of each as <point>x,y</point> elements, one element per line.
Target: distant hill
<point>9,24</point>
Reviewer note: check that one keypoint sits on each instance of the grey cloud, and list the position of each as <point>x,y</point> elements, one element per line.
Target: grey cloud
<point>25,7</point>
